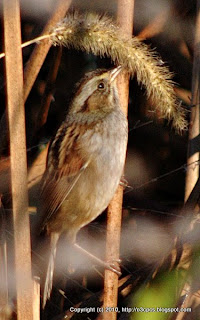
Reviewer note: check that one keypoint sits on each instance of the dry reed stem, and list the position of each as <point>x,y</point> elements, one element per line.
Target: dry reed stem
<point>3,265</point>
<point>36,299</point>
<point>192,174</point>
<point>37,58</point>
<point>101,36</point>
<point>39,54</point>
<point>112,254</point>
<point>114,215</point>
<point>47,97</point>
<point>193,171</point>
<point>16,119</point>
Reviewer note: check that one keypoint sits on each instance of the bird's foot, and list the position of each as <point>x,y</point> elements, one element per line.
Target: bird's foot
<point>123,182</point>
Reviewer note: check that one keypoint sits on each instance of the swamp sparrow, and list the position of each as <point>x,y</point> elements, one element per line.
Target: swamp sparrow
<point>85,161</point>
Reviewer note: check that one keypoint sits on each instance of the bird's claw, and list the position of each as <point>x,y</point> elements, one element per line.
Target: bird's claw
<point>123,182</point>
<point>114,266</point>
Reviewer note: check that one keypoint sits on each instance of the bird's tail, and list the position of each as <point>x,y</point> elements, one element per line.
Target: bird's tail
<point>50,270</point>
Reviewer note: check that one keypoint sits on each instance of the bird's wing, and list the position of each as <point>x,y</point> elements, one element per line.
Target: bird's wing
<point>59,180</point>
<point>55,192</point>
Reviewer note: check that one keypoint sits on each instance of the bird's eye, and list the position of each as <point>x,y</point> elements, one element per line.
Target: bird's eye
<point>101,86</point>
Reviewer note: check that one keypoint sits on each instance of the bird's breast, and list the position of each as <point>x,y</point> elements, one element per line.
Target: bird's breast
<point>97,184</point>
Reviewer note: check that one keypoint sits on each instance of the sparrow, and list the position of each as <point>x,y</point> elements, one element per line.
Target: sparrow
<point>85,162</point>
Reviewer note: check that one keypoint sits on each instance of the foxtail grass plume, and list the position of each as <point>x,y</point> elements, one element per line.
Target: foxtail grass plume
<point>101,36</point>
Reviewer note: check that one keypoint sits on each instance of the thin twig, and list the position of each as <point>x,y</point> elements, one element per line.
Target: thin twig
<point>185,166</point>
<point>28,43</point>
<point>156,26</point>
<point>47,97</point>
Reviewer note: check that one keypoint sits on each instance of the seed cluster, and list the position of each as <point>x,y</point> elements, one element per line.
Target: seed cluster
<point>101,36</point>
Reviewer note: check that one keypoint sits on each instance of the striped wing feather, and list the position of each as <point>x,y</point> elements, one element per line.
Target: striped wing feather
<point>59,180</point>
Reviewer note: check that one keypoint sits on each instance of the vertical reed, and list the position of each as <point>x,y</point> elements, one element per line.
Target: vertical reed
<point>16,120</point>
<point>125,19</point>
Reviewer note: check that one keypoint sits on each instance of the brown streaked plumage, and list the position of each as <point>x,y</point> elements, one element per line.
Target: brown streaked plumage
<point>85,162</point>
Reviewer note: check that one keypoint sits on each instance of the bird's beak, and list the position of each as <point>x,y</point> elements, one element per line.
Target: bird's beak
<point>114,73</point>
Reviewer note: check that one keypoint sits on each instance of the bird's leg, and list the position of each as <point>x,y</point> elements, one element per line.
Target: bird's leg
<point>108,265</point>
